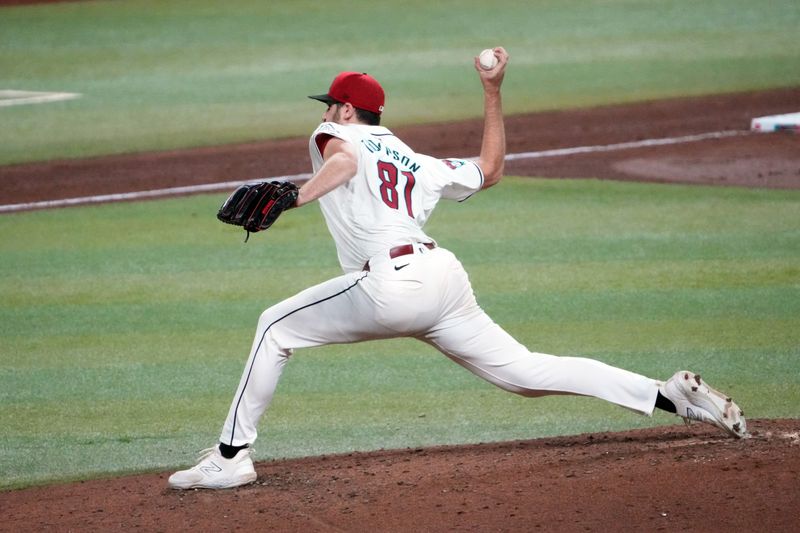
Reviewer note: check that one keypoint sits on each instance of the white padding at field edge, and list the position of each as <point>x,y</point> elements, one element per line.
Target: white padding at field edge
<point>789,121</point>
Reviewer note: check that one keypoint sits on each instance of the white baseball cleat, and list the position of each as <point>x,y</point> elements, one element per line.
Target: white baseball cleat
<point>215,472</point>
<point>695,400</point>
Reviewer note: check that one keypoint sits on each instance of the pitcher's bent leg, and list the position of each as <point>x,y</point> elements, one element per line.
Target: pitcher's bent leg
<point>336,311</point>
<point>256,388</point>
<point>484,348</point>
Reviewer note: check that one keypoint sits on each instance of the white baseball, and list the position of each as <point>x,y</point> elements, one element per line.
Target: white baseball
<point>487,59</point>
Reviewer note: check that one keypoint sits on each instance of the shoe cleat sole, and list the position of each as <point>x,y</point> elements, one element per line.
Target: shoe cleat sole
<point>730,411</point>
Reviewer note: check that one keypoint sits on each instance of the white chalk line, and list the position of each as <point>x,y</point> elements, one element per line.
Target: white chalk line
<point>228,185</point>
<point>10,97</point>
<point>626,145</point>
<point>156,193</point>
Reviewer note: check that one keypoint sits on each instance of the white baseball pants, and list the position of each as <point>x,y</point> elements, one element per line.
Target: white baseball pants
<point>425,295</point>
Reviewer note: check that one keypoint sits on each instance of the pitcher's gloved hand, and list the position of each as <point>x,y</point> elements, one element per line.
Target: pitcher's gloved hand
<point>257,206</point>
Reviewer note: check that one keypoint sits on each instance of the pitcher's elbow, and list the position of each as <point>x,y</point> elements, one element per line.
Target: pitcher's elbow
<point>492,176</point>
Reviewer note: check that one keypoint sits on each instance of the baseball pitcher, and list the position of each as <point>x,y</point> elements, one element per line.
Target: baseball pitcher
<point>376,194</point>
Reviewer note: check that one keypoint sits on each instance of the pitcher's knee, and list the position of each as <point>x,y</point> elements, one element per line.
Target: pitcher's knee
<point>272,334</point>
<point>272,318</point>
<point>265,319</point>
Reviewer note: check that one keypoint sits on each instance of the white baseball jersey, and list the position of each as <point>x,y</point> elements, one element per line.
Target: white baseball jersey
<point>392,194</point>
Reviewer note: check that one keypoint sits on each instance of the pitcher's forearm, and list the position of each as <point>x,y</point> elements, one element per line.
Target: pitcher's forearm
<point>493,147</point>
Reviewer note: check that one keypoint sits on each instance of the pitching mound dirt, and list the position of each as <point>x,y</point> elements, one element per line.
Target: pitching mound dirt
<point>669,479</point>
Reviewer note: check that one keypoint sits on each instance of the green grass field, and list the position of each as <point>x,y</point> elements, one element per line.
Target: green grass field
<point>123,328</point>
<point>156,75</point>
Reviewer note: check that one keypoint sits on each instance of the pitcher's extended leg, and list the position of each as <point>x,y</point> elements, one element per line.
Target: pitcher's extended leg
<point>478,344</point>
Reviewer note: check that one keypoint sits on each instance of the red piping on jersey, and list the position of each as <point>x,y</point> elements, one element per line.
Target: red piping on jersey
<point>322,141</point>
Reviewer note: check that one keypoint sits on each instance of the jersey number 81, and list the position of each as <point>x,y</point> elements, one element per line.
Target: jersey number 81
<point>388,175</point>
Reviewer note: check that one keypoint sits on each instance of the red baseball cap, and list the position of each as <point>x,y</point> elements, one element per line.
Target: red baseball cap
<point>356,88</point>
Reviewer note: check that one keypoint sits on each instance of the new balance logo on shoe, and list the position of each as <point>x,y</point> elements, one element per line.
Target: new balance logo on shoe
<point>211,468</point>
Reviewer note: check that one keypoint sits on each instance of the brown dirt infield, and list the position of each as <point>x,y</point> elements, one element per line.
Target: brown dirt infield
<point>671,478</point>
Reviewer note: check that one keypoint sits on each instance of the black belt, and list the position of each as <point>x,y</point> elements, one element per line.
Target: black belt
<point>403,249</point>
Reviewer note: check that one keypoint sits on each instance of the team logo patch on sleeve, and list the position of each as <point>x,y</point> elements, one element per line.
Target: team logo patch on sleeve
<point>454,163</point>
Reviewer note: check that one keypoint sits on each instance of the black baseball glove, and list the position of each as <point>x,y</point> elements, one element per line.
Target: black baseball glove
<point>257,206</point>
